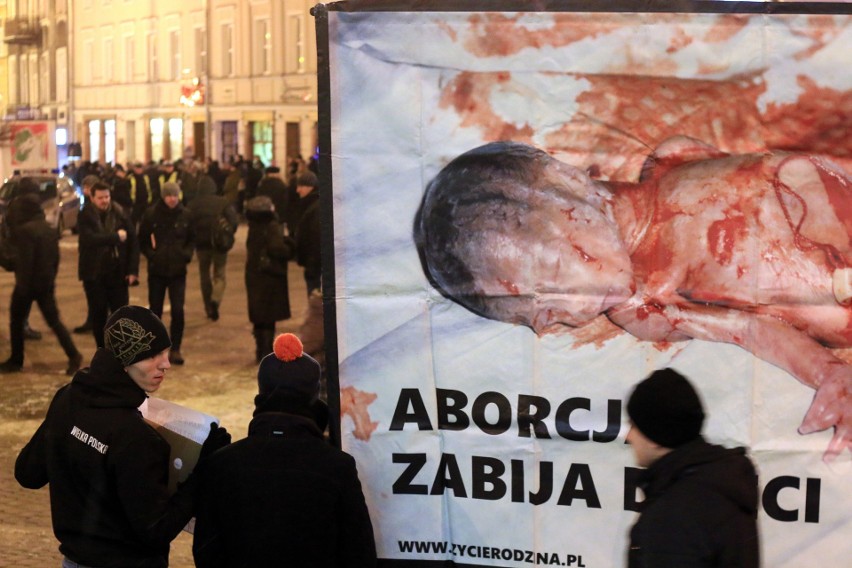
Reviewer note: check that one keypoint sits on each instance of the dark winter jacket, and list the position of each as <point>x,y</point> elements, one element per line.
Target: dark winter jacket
<point>267,292</point>
<point>170,230</point>
<point>231,190</point>
<point>700,511</point>
<point>102,254</point>
<point>308,253</point>
<point>121,193</point>
<point>282,496</point>
<point>276,190</point>
<point>20,209</point>
<point>107,470</point>
<point>37,249</point>
<point>206,209</point>
<point>143,191</point>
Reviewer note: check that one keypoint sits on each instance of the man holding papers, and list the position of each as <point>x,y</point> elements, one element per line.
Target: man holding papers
<point>107,468</point>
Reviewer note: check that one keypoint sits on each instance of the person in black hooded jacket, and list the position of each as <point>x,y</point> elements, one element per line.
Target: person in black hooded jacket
<point>106,467</point>
<point>37,263</point>
<point>283,495</point>
<point>700,507</point>
<point>267,254</point>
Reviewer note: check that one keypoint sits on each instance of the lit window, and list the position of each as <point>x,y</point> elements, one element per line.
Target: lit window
<point>228,50</point>
<point>175,138</point>
<point>157,127</point>
<point>94,139</point>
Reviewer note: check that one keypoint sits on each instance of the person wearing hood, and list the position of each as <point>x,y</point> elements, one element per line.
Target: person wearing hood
<point>267,291</point>
<point>166,240</point>
<point>283,495</point>
<point>26,190</point>
<point>700,507</point>
<point>37,262</point>
<point>107,469</point>
<point>273,186</point>
<point>207,211</point>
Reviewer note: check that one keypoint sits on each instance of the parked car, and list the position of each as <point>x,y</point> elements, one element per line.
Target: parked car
<point>60,199</point>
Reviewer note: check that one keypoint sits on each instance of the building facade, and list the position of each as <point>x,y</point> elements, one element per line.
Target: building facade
<point>4,60</point>
<point>167,79</point>
<point>34,63</point>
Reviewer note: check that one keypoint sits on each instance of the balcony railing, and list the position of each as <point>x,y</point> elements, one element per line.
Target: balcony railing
<point>22,32</point>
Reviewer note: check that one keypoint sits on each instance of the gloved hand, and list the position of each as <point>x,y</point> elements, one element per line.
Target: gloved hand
<point>217,438</point>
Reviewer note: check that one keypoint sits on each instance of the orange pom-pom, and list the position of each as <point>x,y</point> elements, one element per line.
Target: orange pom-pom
<point>287,347</point>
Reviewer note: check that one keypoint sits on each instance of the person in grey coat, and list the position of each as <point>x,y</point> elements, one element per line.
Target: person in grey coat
<point>206,212</point>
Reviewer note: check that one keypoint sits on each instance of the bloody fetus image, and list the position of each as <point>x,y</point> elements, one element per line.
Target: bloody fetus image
<point>749,249</point>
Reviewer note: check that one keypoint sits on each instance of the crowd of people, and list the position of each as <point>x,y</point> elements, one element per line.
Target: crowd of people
<point>283,493</point>
<point>167,213</point>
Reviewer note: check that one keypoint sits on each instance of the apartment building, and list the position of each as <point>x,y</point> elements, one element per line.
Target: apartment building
<point>4,60</point>
<point>34,62</point>
<point>165,79</point>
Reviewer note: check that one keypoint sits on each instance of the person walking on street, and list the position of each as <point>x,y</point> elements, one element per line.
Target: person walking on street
<point>207,211</point>
<point>308,252</point>
<point>121,188</point>
<point>142,191</point>
<point>700,507</point>
<point>283,495</point>
<point>87,185</point>
<point>26,189</point>
<point>165,238</point>
<point>231,190</point>
<point>267,253</point>
<point>275,189</point>
<point>168,173</point>
<point>37,263</point>
<point>109,257</point>
<point>106,468</point>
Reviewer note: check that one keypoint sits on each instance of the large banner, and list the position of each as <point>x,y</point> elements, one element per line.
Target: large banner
<point>533,210</point>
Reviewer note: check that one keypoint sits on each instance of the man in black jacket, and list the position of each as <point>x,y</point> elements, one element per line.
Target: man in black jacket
<point>107,468</point>
<point>87,184</point>
<point>700,507</point>
<point>307,230</point>
<point>109,257</point>
<point>144,190</point>
<point>275,189</point>
<point>36,266</point>
<point>283,495</point>
<point>165,238</point>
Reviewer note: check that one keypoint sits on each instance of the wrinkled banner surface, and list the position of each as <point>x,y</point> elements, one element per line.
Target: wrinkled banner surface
<point>437,400</point>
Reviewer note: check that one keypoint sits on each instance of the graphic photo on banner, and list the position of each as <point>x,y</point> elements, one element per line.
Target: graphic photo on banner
<point>532,212</point>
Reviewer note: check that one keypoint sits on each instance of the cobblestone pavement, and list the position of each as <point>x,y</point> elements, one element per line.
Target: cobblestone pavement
<point>218,378</point>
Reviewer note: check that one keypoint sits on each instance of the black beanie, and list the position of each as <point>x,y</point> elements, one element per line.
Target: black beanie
<point>133,333</point>
<point>289,372</point>
<point>666,409</point>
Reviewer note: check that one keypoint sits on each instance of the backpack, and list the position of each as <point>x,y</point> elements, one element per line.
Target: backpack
<point>222,235</point>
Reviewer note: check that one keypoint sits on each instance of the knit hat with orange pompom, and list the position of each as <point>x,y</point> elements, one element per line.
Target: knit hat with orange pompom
<point>289,371</point>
